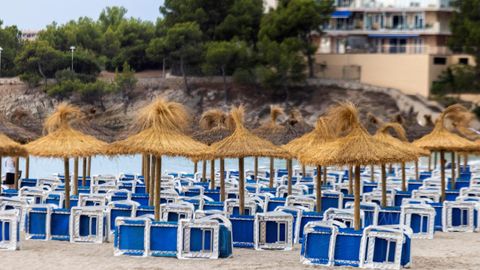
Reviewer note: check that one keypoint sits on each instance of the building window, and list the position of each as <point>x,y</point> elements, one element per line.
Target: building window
<point>463,61</point>
<point>439,60</point>
<point>344,3</point>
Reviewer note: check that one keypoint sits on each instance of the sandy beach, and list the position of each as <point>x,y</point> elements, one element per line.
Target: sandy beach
<point>446,251</point>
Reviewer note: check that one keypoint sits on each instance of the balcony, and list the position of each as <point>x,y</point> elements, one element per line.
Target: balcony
<point>358,29</point>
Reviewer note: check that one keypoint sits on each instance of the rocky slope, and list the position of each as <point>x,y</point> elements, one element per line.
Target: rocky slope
<point>28,107</point>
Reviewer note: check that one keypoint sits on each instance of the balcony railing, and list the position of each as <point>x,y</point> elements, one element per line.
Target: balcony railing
<point>392,49</point>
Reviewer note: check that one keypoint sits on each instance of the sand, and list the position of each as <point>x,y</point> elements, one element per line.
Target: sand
<point>446,251</point>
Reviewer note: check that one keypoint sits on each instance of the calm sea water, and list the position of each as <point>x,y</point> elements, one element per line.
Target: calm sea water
<point>42,167</point>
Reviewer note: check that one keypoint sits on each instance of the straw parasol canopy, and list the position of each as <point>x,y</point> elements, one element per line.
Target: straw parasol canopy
<point>357,147</point>
<point>162,123</point>
<point>213,124</point>
<point>273,131</point>
<point>9,147</point>
<point>320,135</point>
<point>440,139</point>
<point>383,134</point>
<point>297,122</point>
<point>62,140</point>
<point>243,143</point>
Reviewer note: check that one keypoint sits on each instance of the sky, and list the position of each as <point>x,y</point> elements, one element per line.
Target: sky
<point>36,14</point>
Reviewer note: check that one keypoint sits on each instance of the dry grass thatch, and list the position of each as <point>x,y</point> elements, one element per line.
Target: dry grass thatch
<point>243,143</point>
<point>162,122</point>
<point>273,131</point>
<point>357,147</point>
<point>214,127</point>
<point>310,141</point>
<point>297,123</point>
<point>383,134</point>
<point>63,141</point>
<point>9,147</point>
<point>440,139</point>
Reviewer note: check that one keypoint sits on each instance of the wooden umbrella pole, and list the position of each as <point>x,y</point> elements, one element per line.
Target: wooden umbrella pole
<point>146,176</point>
<point>151,196</point>
<point>241,186</point>
<point>17,172</point>
<point>27,167</point>
<point>1,165</point>
<point>350,180</point>
<point>459,164</point>
<point>435,160</point>
<point>417,174</point>
<point>66,167</point>
<point>404,178</point>
<point>319,190</point>
<point>89,168</point>
<point>442,173</point>
<point>304,171</point>
<point>158,185</point>
<point>195,167</point>
<point>289,170</point>
<point>272,172</point>
<point>384,185</point>
<point>75,176</point>
<point>255,168</point>
<point>454,176</point>
<point>204,171</point>
<point>465,161</point>
<point>222,179</point>
<point>390,168</point>
<point>324,175</point>
<point>356,211</point>
<point>84,172</point>
<point>143,165</point>
<point>430,162</point>
<point>212,174</point>
<point>372,173</point>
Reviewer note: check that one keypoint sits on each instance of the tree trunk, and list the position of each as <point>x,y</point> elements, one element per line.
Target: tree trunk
<point>241,186</point>
<point>164,67</point>
<point>184,75</point>
<point>75,176</point>
<point>356,210</point>
<point>372,173</point>
<point>158,185</point>
<point>222,179</point>
<point>319,190</point>
<point>66,167</point>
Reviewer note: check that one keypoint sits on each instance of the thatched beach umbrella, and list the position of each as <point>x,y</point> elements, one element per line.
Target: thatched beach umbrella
<point>162,124</point>
<point>63,141</point>
<point>242,143</point>
<point>442,140</point>
<point>278,135</point>
<point>356,148</point>
<point>214,128</point>
<point>303,145</point>
<point>383,135</point>
<point>9,147</point>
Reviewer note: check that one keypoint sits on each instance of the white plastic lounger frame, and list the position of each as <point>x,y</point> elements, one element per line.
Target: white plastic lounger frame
<point>97,199</point>
<point>10,217</point>
<point>48,216</point>
<point>327,193</point>
<point>114,192</point>
<point>282,190</point>
<point>303,201</point>
<point>432,194</point>
<point>112,206</point>
<point>376,195</point>
<point>329,224</point>
<point>467,207</point>
<point>424,211</point>
<point>169,195</point>
<point>470,192</point>
<point>371,207</point>
<point>95,214</point>
<point>298,220</point>
<point>260,231</point>
<point>345,216</point>
<point>204,213</point>
<point>207,224</point>
<point>103,188</point>
<point>53,183</point>
<point>120,221</point>
<point>184,210</point>
<point>37,193</point>
<point>250,206</point>
<point>394,234</point>
<point>17,203</point>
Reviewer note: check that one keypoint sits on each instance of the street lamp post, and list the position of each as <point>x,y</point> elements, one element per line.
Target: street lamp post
<point>72,48</point>
<point>1,49</point>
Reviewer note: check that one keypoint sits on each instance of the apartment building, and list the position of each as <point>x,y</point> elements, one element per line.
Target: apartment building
<point>399,44</point>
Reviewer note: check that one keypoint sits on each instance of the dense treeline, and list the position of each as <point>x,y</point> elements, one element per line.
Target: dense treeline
<point>191,37</point>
